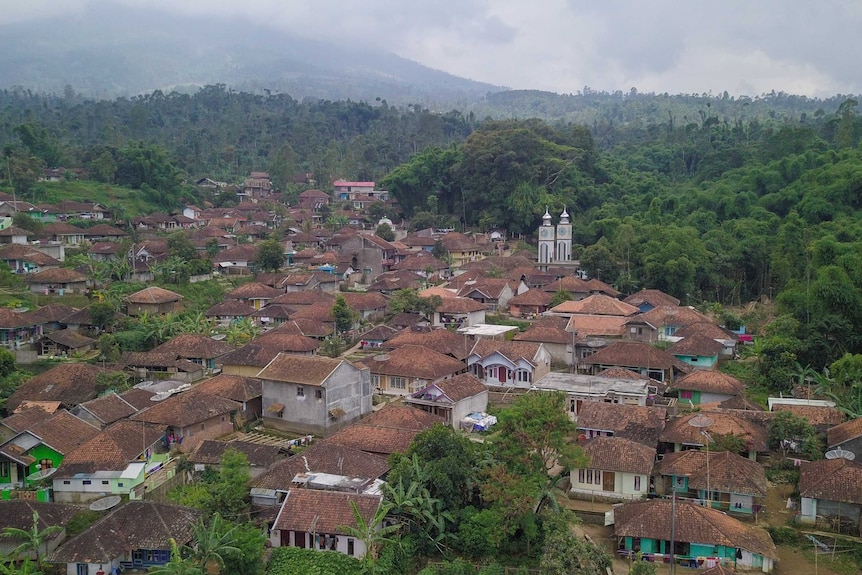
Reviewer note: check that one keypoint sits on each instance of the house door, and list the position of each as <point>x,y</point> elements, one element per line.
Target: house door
<point>82,569</point>
<point>608,481</point>
<point>502,374</point>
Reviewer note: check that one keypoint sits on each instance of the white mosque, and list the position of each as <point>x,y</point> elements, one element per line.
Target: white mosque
<point>555,245</point>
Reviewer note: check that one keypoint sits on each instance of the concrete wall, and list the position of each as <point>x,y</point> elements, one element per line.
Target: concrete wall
<point>310,543</point>
<point>624,486</point>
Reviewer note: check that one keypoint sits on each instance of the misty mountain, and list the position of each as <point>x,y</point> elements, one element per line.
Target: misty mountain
<point>112,50</point>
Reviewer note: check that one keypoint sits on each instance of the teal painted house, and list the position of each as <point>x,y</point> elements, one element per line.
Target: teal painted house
<point>703,386</point>
<point>703,537</point>
<point>698,351</point>
<point>729,482</point>
<point>42,446</point>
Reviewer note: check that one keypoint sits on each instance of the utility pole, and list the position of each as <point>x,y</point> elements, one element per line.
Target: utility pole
<point>672,532</point>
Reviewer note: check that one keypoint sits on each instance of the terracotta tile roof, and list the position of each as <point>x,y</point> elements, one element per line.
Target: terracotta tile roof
<point>56,275</point>
<point>195,345</point>
<point>589,325</point>
<point>728,472</point>
<point>210,452</point>
<point>12,319</point>
<point>251,355</point>
<point>461,387</point>
<point>710,382</point>
<point>379,333</point>
<point>653,297</point>
<point>680,431</point>
<point>112,449</point>
<point>63,431</point>
<point>50,313</point>
<point>186,409</point>
<point>68,338</point>
<point>389,430</point>
<point>235,387</point>
<point>109,408</point>
<point>696,344</point>
<point>254,290</point>
<point>443,292</point>
<point>365,301</point>
<point>138,398</point>
<point>679,316</point>
<point>402,417</point>
<point>822,417</point>
<point>635,422</point>
<point>740,402</point>
<point>546,330</point>
<point>391,281</point>
<point>324,511</point>
<point>159,360</point>
<point>322,457</point>
<point>621,372</point>
<point>844,432</point>
<point>231,307</point>
<point>513,350</point>
<point>693,524</point>
<point>635,354</point>
<point>458,242</point>
<point>618,454</point>
<point>441,340</point>
<point>312,327</point>
<point>288,342</point>
<point>531,297</point>
<point>415,362</point>
<point>105,248</point>
<point>14,231</point>
<point>405,320</point>
<point>598,304</point>
<point>304,369</point>
<point>61,228</point>
<point>321,312</point>
<point>154,295</point>
<point>831,479</point>
<point>459,305</point>
<point>70,383</point>
<point>570,284</point>
<point>135,525</point>
<point>275,311</point>
<point>25,419</point>
<point>487,287</point>
<point>104,230</point>
<point>18,514</point>
<point>598,286</point>
<point>708,329</point>
<point>24,252</point>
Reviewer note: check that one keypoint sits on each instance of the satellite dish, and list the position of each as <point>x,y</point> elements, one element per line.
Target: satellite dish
<point>381,357</point>
<point>42,474</point>
<point>161,396</point>
<point>105,503</point>
<point>840,454</point>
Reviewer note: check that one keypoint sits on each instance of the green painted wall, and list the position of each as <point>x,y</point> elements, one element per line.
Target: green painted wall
<point>41,452</point>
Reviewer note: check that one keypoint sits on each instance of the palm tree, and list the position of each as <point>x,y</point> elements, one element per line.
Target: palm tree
<point>242,331</point>
<point>34,541</point>
<point>372,533</point>
<point>213,543</point>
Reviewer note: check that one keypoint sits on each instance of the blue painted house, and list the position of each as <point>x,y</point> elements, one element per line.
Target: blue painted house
<point>703,537</point>
<point>698,351</point>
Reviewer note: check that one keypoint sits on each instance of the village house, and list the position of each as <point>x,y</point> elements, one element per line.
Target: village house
<point>257,186</point>
<point>700,386</point>
<point>153,301</point>
<point>153,365</point>
<point>410,368</point>
<point>260,457</point>
<point>68,383</point>
<point>647,299</point>
<point>17,329</point>
<point>726,481</point>
<point>458,312</point>
<point>104,410</point>
<point>114,462</point>
<point>197,348</point>
<point>313,394</point>
<point>348,191</point>
<point>253,294</point>
<point>187,418</point>
<point>530,304</point>
<point>227,312</point>
<point>59,281</point>
<point>18,514</point>
<point>453,398</point>
<point>581,389</point>
<point>830,493</point>
<point>618,469</point>
<point>682,433</point>
<point>702,537</point>
<point>508,363</point>
<point>638,357</point>
<point>244,390</point>
<point>640,423</point>
<point>24,259</point>
<point>14,235</point>
<point>312,519</point>
<point>136,535</point>
<point>698,351</point>
<point>847,436</point>
<point>386,431</point>
<point>493,293</point>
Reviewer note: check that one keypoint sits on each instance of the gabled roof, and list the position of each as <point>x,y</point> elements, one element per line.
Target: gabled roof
<point>235,387</point>
<point>416,362</point>
<point>284,340</point>
<point>11,319</point>
<point>380,332</point>
<point>844,432</point>
<point>619,454</point>
<point>679,430</point>
<point>831,479</point>
<point>533,296</point>
<point>310,510</point>
<point>420,262</point>
<point>135,525</point>
<point>365,301</point>
<point>459,387</point>
<point>154,295</point>
<point>25,419</point>
<point>70,383</point>
<point>512,350</point>
<point>138,398</point>
<point>678,316</point>
<point>728,472</point>
<point>68,338</point>
<point>63,432</point>
<point>26,253</point>
<point>598,286</point>
<point>589,325</point>
<point>697,344</point>
<point>302,369</point>
<point>109,408</point>
<point>50,313</point>
<point>547,330</point>
<point>487,287</point>
<point>56,275</point>
<point>652,297</point>
<point>230,308</point>
<point>597,304</point>
<point>710,382</point>
<point>693,524</point>
<point>112,449</point>
<point>571,284</point>
<point>304,298</point>
<point>635,354</point>
<point>389,430</point>
<point>195,345</point>
<point>321,312</point>
<point>18,514</point>
<point>253,290</point>
<point>441,340</point>
<point>638,423</point>
<point>323,457</point>
<point>459,305</point>
<point>210,452</point>
<point>708,329</point>
<point>186,409</point>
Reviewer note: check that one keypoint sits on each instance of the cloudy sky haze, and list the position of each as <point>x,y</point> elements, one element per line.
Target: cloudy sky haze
<point>689,46</point>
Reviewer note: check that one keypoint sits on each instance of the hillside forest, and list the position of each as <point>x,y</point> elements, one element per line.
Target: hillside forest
<point>714,200</point>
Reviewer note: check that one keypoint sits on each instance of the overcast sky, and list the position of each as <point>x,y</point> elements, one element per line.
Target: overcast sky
<point>683,46</point>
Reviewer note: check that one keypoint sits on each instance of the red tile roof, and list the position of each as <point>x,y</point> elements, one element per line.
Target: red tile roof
<point>831,479</point>
<point>710,382</point>
<point>415,362</point>
<point>618,454</point>
<point>307,370</point>
<point>679,430</point>
<point>727,472</point>
<point>598,304</point>
<point>154,295</point>
<point>323,457</point>
<point>844,432</point>
<point>329,512</point>
<point>186,409</point>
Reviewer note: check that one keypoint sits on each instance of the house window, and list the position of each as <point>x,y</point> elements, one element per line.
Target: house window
<point>104,482</point>
<point>87,482</point>
<point>119,484</point>
<point>398,383</point>
<point>582,475</point>
<point>67,482</point>
<point>350,549</point>
<point>589,475</point>
<point>686,394</point>
<point>318,394</point>
<point>637,482</point>
<point>300,391</point>
<point>375,381</point>
<point>4,469</point>
<point>46,464</point>
<point>524,376</point>
<point>597,477</point>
